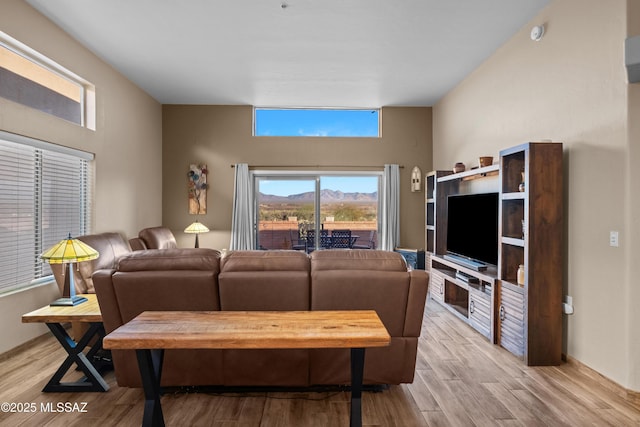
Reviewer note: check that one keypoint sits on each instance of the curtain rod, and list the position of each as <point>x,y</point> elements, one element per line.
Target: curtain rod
<point>316,166</point>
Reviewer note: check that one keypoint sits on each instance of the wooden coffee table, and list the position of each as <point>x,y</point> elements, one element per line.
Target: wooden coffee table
<point>152,332</point>
<point>54,317</point>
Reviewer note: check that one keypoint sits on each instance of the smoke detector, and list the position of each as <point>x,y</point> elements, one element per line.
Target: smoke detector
<point>537,32</point>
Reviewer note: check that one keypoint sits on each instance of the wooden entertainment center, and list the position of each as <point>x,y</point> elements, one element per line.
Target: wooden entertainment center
<point>525,318</point>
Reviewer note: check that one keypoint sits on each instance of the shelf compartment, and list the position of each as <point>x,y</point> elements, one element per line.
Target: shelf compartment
<point>456,297</point>
<point>513,166</point>
<point>430,186</point>
<point>430,214</point>
<point>513,218</point>
<point>512,258</point>
<point>430,239</point>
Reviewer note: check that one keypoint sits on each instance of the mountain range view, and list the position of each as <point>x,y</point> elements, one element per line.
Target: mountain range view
<point>325,195</point>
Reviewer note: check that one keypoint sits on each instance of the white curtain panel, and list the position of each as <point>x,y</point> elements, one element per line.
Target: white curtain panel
<point>390,233</point>
<point>242,236</point>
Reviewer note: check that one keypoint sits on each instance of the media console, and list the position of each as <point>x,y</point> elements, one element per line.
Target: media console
<point>468,293</point>
<point>518,304</point>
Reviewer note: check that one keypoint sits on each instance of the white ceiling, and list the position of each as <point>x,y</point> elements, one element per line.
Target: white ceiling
<point>302,53</point>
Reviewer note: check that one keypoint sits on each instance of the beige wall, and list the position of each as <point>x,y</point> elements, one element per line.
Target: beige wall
<point>221,136</point>
<point>127,146</point>
<point>633,194</point>
<point>571,87</point>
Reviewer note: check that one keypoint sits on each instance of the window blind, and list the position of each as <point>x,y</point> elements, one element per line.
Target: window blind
<point>44,196</point>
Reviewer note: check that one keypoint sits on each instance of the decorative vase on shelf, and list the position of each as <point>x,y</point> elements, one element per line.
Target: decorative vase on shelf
<point>521,186</point>
<point>485,161</point>
<point>521,275</point>
<point>459,167</point>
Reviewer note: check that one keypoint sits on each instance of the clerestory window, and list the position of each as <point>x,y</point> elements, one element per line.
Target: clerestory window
<point>317,122</point>
<point>33,80</point>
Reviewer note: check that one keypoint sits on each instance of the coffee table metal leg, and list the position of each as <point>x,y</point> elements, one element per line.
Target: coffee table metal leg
<point>93,380</point>
<point>357,374</point>
<point>150,365</point>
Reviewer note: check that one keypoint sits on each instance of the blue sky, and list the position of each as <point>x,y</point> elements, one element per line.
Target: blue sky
<point>316,122</point>
<point>346,184</point>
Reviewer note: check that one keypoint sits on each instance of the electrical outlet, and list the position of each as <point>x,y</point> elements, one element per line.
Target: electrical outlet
<point>567,305</point>
<point>613,238</point>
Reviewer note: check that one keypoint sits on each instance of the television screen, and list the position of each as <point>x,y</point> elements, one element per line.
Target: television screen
<point>472,227</point>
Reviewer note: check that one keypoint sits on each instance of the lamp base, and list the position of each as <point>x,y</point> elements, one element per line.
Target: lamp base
<point>66,302</point>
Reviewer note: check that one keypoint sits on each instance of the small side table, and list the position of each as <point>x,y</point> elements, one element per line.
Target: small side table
<point>54,317</point>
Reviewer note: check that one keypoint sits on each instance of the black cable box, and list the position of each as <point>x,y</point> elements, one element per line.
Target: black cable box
<point>466,277</point>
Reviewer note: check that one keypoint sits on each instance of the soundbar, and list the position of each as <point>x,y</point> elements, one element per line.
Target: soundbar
<point>474,265</point>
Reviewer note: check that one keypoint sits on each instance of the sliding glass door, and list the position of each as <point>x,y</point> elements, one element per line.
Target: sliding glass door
<point>286,208</point>
<point>304,211</point>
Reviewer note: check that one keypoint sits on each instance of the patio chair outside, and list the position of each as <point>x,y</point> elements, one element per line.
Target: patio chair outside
<point>325,240</point>
<point>370,242</point>
<point>341,238</point>
<point>297,243</point>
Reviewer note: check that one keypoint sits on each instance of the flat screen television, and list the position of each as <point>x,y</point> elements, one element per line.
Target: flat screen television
<point>472,227</point>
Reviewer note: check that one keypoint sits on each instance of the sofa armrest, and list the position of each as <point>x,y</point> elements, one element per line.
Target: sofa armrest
<point>105,292</point>
<point>418,287</point>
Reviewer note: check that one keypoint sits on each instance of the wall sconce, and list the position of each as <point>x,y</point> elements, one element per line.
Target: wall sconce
<point>416,179</point>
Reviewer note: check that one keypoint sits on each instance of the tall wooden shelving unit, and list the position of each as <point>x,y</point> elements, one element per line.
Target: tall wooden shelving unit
<point>524,319</point>
<point>529,321</point>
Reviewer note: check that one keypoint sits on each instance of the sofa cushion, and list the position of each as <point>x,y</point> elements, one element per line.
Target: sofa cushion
<point>357,259</point>
<point>236,261</point>
<point>264,280</point>
<point>148,280</point>
<point>362,280</point>
<point>171,259</point>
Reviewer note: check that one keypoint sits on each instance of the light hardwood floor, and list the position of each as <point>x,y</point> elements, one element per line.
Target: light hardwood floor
<point>461,380</point>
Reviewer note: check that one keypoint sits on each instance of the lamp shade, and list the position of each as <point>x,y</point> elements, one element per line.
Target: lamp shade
<point>196,228</point>
<point>69,250</point>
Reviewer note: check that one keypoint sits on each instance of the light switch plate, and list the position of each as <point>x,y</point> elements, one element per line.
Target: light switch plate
<point>613,238</point>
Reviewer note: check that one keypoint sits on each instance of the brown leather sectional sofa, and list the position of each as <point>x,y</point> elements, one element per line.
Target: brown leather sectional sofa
<point>201,279</point>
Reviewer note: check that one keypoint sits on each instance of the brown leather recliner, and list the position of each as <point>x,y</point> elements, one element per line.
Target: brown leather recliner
<point>162,279</point>
<point>154,238</point>
<point>110,246</point>
<point>369,280</point>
